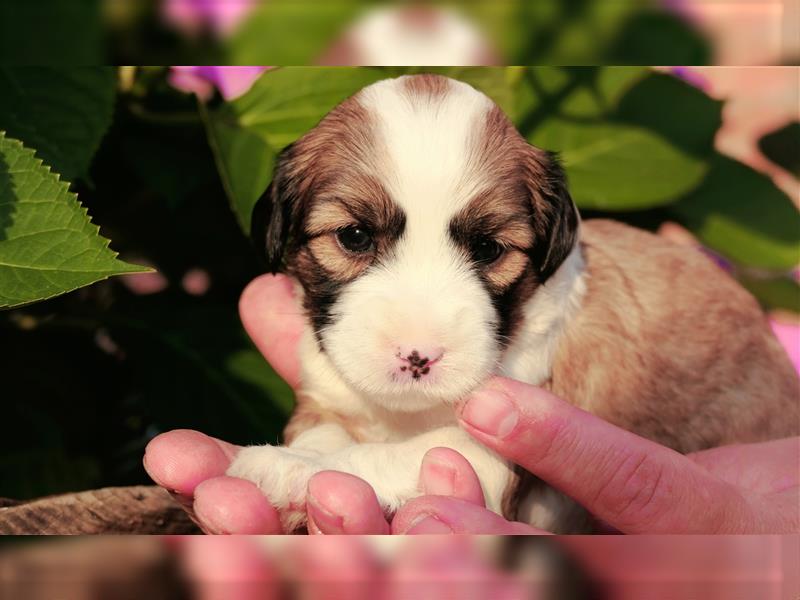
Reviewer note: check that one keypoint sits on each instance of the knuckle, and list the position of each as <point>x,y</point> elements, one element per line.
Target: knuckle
<point>636,492</point>
<point>555,443</point>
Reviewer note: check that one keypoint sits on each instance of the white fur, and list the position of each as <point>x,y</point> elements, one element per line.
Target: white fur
<point>391,36</point>
<point>424,295</point>
<point>529,357</point>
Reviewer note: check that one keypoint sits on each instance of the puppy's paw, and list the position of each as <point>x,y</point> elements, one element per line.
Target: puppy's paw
<point>282,474</point>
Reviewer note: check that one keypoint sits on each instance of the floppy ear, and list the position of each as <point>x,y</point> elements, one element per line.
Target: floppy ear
<point>557,218</point>
<point>272,218</point>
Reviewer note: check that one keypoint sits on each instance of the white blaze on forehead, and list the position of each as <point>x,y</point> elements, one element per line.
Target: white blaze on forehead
<point>429,142</point>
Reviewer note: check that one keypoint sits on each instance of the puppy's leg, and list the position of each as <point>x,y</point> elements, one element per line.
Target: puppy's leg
<point>282,472</point>
<point>392,469</point>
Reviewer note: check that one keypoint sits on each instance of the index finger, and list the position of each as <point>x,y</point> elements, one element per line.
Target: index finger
<point>273,319</point>
<point>631,483</point>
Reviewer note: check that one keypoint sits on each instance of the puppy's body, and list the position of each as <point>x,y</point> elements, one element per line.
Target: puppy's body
<point>433,246</point>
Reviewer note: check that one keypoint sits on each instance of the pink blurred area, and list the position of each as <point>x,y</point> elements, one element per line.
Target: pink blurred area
<point>745,32</point>
<point>196,282</point>
<point>145,284</point>
<point>366,567</point>
<point>220,17</point>
<point>788,335</point>
<point>231,82</point>
<point>758,101</point>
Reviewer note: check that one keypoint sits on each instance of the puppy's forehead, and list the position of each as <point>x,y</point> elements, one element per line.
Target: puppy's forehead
<point>429,130</point>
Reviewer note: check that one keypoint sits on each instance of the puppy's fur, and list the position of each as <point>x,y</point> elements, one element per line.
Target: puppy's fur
<point>477,264</point>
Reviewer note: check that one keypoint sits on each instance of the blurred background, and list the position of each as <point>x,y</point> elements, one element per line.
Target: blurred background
<point>380,32</point>
<point>169,161</point>
<point>419,568</point>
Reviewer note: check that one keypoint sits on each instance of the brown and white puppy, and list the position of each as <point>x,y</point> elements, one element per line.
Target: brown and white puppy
<point>433,246</point>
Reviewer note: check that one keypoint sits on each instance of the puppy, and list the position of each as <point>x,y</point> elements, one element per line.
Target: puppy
<point>432,247</point>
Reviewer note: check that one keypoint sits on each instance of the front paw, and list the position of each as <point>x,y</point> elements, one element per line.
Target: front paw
<point>282,474</point>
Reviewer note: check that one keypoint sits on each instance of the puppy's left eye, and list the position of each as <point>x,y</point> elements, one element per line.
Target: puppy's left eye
<point>485,250</point>
<point>355,239</point>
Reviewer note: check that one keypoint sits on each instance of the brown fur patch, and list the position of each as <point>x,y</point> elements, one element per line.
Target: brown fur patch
<point>520,207</point>
<point>508,269</point>
<point>328,175</point>
<point>360,199</point>
<point>341,265</point>
<point>426,85</point>
<point>308,414</point>
<point>670,347</point>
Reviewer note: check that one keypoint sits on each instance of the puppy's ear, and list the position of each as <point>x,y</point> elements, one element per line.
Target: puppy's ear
<point>272,218</point>
<point>556,217</point>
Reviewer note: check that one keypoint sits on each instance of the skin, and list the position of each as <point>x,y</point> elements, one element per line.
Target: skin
<point>636,486</point>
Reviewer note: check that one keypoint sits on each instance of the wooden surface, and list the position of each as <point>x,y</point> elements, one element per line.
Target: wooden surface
<point>116,510</point>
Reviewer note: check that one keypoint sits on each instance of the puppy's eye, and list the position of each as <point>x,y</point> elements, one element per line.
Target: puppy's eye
<point>485,250</point>
<point>355,239</point>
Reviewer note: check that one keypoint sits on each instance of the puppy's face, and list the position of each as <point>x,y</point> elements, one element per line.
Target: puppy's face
<point>418,222</point>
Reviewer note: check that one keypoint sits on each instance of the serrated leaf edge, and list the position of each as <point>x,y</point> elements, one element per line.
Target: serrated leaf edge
<point>126,267</point>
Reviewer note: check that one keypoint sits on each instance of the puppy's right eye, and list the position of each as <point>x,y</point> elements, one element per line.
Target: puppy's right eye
<point>355,239</point>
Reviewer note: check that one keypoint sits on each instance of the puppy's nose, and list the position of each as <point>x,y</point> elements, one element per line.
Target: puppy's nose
<point>418,361</point>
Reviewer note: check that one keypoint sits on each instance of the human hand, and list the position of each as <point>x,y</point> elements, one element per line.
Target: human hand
<point>630,483</point>
<point>739,488</point>
<point>192,465</point>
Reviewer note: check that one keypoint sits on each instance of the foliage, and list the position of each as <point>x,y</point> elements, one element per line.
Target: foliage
<point>48,246</point>
<point>62,113</point>
<point>91,375</point>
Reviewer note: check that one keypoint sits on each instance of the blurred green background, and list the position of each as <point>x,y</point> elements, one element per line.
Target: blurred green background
<point>92,372</point>
<point>300,32</point>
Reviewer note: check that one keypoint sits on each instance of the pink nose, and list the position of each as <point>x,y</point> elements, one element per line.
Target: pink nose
<point>418,361</point>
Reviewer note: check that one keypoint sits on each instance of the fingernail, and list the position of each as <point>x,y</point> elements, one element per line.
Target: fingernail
<point>207,522</point>
<point>326,521</point>
<point>427,525</point>
<point>437,478</point>
<point>491,412</point>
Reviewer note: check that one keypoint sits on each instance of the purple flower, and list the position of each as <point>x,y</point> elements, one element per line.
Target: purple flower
<point>691,76</point>
<point>221,17</point>
<point>231,82</point>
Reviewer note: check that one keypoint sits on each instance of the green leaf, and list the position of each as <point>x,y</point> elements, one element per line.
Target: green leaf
<point>741,214</point>
<point>63,113</point>
<point>782,147</point>
<point>247,134</point>
<point>611,164</point>
<point>778,293</point>
<point>581,32</point>
<point>677,111</point>
<point>48,32</point>
<point>290,32</point>
<point>48,245</point>
<point>658,38</point>
<point>619,167</point>
<point>574,93</point>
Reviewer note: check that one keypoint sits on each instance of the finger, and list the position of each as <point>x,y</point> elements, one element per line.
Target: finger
<point>778,464</point>
<point>179,460</point>
<point>631,483</point>
<point>445,472</point>
<point>235,568</point>
<point>440,515</point>
<point>340,503</point>
<point>450,567</point>
<point>274,320</point>
<point>229,505</point>
<point>333,567</point>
